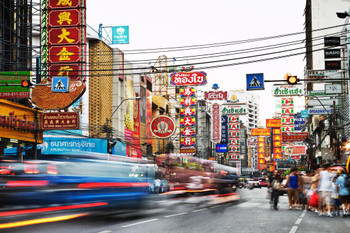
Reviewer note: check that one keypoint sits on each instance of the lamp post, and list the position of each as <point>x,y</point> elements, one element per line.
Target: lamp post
<point>108,128</point>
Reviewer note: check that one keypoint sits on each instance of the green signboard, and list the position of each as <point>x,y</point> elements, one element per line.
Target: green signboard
<point>10,91</point>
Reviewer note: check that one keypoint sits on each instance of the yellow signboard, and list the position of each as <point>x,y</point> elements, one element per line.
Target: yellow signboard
<point>20,122</point>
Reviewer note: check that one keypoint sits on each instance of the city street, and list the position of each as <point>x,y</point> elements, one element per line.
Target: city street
<point>251,214</point>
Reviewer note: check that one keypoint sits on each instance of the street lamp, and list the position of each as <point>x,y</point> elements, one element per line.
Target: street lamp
<point>343,15</point>
<point>108,128</point>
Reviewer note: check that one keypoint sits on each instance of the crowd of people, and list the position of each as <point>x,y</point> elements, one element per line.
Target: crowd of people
<point>323,191</point>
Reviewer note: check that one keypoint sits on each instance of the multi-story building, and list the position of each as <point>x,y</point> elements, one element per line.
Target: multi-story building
<point>322,25</point>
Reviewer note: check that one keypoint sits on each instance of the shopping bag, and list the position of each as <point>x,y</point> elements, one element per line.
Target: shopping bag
<point>268,194</point>
<point>314,199</point>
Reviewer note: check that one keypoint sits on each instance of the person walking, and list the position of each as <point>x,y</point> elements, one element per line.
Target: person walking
<point>274,183</point>
<point>325,189</point>
<point>344,194</point>
<point>335,197</point>
<point>292,186</point>
<point>305,184</point>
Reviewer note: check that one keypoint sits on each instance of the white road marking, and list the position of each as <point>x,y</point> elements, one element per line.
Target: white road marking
<point>199,210</point>
<point>173,215</point>
<point>137,223</point>
<point>298,221</point>
<point>294,229</point>
<point>106,231</point>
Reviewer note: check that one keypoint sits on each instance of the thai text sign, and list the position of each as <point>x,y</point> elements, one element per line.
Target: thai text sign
<point>14,92</point>
<point>234,109</point>
<point>215,95</point>
<point>319,111</point>
<point>287,90</point>
<point>295,136</point>
<point>324,74</point>
<point>320,102</point>
<point>261,132</point>
<point>60,120</point>
<point>273,123</point>
<point>188,78</point>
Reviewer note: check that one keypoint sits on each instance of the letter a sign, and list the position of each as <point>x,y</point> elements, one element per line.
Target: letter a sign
<point>255,82</point>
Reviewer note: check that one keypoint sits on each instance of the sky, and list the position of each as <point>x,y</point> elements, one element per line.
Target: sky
<point>164,24</point>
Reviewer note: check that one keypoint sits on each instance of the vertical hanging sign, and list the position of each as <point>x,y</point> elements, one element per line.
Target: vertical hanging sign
<point>216,123</point>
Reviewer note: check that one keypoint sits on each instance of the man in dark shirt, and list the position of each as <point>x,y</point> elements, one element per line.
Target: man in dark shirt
<point>274,184</point>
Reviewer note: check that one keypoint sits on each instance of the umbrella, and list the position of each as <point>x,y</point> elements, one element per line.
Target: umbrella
<point>337,169</point>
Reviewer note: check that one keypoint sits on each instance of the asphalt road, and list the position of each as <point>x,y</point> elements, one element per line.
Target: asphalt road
<point>251,214</point>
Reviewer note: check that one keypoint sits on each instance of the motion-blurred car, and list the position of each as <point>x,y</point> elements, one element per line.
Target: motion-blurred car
<point>104,184</point>
<point>263,182</point>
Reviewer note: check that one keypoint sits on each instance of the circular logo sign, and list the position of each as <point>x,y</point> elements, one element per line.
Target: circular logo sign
<point>162,126</point>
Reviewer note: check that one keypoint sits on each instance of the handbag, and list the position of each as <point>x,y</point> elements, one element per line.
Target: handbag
<point>314,199</point>
<point>276,185</point>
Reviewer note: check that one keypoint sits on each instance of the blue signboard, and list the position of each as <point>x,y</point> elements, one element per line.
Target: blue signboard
<point>120,35</point>
<point>60,84</point>
<point>119,148</point>
<point>221,148</point>
<point>299,122</point>
<point>255,82</point>
<point>224,129</point>
<point>304,113</point>
<point>63,145</point>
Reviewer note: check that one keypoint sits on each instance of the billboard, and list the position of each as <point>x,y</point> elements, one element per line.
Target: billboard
<point>61,145</point>
<point>14,92</point>
<point>120,35</point>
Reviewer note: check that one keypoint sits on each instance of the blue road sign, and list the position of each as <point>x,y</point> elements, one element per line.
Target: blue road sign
<point>255,82</point>
<point>60,84</point>
<point>120,35</point>
<point>277,160</point>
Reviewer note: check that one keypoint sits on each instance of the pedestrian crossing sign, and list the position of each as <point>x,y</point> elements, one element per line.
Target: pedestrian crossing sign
<point>60,84</point>
<point>255,82</point>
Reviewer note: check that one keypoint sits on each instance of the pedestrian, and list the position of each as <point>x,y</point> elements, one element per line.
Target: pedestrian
<point>325,189</point>
<point>274,183</point>
<point>335,198</point>
<point>344,194</point>
<point>292,186</point>
<point>305,183</point>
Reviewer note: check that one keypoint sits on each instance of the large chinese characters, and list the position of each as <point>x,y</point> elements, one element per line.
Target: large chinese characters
<point>63,38</point>
<point>187,120</point>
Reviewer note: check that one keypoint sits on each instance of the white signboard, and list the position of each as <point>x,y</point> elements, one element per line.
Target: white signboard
<point>234,109</point>
<point>287,90</point>
<point>321,93</point>
<point>333,89</point>
<point>324,74</point>
<point>325,102</point>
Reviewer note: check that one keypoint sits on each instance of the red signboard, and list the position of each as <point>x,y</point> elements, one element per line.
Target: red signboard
<point>188,78</point>
<point>273,123</point>
<point>60,120</point>
<point>262,166</point>
<point>187,121</point>
<point>261,150</point>
<point>73,71</point>
<point>276,131</point>
<point>216,123</point>
<point>232,118</point>
<point>277,144</point>
<point>292,137</point>
<point>65,54</point>
<point>188,101</point>
<point>261,139</point>
<point>277,150</point>
<point>187,91</point>
<point>63,18</point>
<point>277,137</point>
<point>63,36</point>
<point>295,157</point>
<point>188,141</point>
<point>187,150</point>
<point>215,95</point>
<point>57,4</point>
<point>162,126</point>
<point>188,111</point>
<point>188,131</point>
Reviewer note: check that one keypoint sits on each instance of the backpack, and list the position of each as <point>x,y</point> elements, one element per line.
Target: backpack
<point>276,185</point>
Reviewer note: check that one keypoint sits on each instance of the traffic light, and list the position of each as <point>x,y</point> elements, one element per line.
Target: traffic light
<point>26,83</point>
<point>292,80</point>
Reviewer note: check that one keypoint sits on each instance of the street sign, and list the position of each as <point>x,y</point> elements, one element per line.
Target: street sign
<point>333,89</point>
<point>229,109</point>
<point>320,102</point>
<point>287,90</point>
<point>221,148</point>
<point>120,35</point>
<point>255,82</point>
<point>60,120</point>
<point>319,111</point>
<point>60,84</point>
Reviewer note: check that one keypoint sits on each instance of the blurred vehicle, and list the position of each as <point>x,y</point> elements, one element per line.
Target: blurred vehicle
<point>253,183</point>
<point>263,182</point>
<point>115,185</point>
